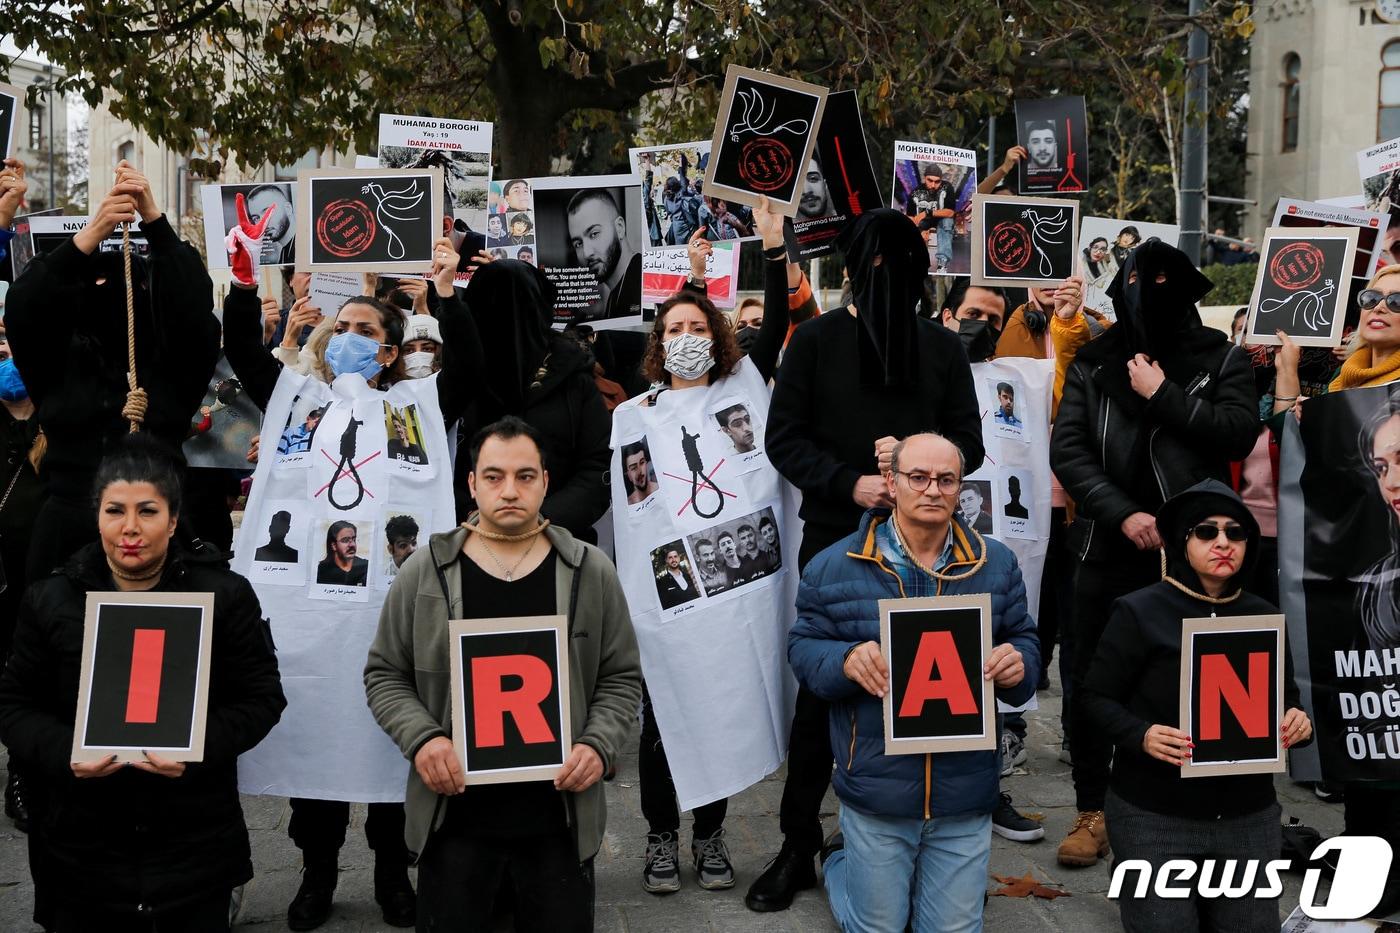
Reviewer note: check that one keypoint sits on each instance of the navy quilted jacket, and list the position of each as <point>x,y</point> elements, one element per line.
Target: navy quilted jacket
<point>838,608</point>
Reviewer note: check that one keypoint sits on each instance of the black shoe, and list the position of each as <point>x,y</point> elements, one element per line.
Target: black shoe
<point>791,871</point>
<point>1044,683</point>
<point>834,843</point>
<point>16,807</point>
<point>312,905</point>
<point>393,892</point>
<point>1326,792</point>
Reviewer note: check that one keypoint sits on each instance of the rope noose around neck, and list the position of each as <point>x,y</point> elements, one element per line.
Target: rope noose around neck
<point>134,411</point>
<point>346,467</point>
<point>698,479</point>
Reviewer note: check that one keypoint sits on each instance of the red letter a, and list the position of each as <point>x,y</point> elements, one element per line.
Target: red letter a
<point>1250,707</point>
<point>937,649</point>
<point>491,703</point>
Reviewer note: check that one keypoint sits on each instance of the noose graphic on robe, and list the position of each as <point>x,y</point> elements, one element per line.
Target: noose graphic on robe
<point>346,467</point>
<point>698,479</point>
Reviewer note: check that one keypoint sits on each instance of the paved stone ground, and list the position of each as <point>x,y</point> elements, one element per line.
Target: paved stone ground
<point>1043,787</point>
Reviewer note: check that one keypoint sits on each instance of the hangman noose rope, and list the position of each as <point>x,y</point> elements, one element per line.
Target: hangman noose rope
<point>134,410</point>
<point>698,479</point>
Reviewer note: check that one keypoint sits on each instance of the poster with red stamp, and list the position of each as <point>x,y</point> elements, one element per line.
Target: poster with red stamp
<point>764,137</point>
<point>1023,241</point>
<point>370,220</point>
<point>1302,285</point>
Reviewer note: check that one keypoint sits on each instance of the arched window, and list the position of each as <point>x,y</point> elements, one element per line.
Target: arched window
<point>1388,108</point>
<point>1292,100</point>
<point>127,151</point>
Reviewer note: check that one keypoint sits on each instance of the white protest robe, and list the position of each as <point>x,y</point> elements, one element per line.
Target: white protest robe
<point>1014,479</point>
<point>372,458</point>
<point>714,649</point>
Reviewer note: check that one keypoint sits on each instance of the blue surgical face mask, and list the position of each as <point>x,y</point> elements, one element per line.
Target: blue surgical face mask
<point>11,386</point>
<point>353,353</point>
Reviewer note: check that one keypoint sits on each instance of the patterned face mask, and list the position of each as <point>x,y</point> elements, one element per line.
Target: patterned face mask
<point>689,356</point>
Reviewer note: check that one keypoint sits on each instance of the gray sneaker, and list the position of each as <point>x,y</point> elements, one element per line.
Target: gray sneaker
<point>662,875</point>
<point>712,862</point>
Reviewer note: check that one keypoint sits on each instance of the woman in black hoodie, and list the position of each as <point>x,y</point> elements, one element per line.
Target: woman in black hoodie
<point>1210,546</point>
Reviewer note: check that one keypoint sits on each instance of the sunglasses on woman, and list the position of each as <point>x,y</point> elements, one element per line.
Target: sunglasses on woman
<point>1209,531</point>
<point>1370,298</point>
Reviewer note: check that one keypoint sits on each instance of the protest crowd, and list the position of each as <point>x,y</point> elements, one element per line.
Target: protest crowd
<point>491,527</point>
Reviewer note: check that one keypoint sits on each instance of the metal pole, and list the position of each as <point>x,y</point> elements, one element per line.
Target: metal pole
<point>991,145</point>
<point>53,189</point>
<point>1193,167</point>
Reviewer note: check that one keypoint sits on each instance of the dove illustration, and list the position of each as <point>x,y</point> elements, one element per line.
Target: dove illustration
<point>1309,304</point>
<point>756,114</point>
<point>1043,229</point>
<point>393,205</point>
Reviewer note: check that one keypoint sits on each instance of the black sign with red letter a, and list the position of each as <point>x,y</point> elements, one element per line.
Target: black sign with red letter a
<point>935,648</point>
<point>510,698</point>
<point>1232,694</point>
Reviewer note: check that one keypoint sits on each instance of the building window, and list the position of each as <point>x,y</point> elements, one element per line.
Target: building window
<point>312,159</point>
<point>127,151</point>
<point>1388,111</point>
<point>1292,100</point>
<point>36,127</point>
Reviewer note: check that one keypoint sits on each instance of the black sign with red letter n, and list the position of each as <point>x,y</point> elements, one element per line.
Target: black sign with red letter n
<point>510,698</point>
<point>935,648</point>
<point>1232,694</point>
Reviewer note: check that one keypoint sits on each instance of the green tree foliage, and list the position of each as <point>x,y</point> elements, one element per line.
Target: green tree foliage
<point>1234,285</point>
<point>268,80</point>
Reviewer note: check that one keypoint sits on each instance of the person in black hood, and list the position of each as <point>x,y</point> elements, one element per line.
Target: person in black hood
<point>855,376</point>
<point>525,368</point>
<point>1178,402</point>
<point>154,844</point>
<point>74,362</point>
<point>1210,545</point>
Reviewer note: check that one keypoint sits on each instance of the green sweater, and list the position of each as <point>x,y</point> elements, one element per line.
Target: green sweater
<point>408,685</point>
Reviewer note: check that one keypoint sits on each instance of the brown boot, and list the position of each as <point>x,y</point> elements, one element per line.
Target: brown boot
<point>1087,841</point>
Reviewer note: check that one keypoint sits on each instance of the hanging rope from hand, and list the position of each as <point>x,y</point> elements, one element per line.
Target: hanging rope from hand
<point>698,479</point>
<point>134,410</point>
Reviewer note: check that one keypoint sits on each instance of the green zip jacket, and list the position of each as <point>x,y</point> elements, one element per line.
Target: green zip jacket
<point>408,685</point>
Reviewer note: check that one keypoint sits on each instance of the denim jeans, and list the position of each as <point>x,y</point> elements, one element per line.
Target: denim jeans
<point>890,865</point>
<point>944,250</point>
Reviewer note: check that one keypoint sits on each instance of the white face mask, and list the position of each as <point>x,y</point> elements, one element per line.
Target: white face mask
<point>689,356</point>
<point>419,365</point>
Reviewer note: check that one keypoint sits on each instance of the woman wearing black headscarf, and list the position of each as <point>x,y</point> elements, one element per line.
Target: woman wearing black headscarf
<point>527,369</point>
<point>1156,404</point>
<point>1132,695</point>
<point>849,378</point>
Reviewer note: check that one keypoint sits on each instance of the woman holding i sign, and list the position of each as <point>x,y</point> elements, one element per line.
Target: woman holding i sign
<point>153,844</point>
<point>1132,693</point>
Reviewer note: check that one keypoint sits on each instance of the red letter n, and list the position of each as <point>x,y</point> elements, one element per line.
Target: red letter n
<point>491,702</point>
<point>936,649</point>
<point>1250,706</point>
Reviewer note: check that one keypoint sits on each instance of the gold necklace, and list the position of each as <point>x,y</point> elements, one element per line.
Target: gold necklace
<point>130,577</point>
<point>509,573</point>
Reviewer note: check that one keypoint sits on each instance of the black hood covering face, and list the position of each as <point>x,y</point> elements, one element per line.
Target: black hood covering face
<point>1159,320</point>
<point>1185,510</point>
<point>886,296</point>
<point>512,304</point>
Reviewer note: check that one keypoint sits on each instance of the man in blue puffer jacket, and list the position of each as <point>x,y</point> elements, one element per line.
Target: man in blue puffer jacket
<point>908,817</point>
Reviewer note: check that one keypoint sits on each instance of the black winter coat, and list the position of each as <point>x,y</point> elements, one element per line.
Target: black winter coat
<point>1116,454</point>
<point>132,837</point>
<point>68,335</point>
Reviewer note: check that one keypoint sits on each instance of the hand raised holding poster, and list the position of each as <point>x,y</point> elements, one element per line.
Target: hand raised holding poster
<point>764,136</point>
<point>1054,133</point>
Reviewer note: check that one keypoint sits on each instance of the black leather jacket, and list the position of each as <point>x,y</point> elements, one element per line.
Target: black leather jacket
<point>1116,455</point>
